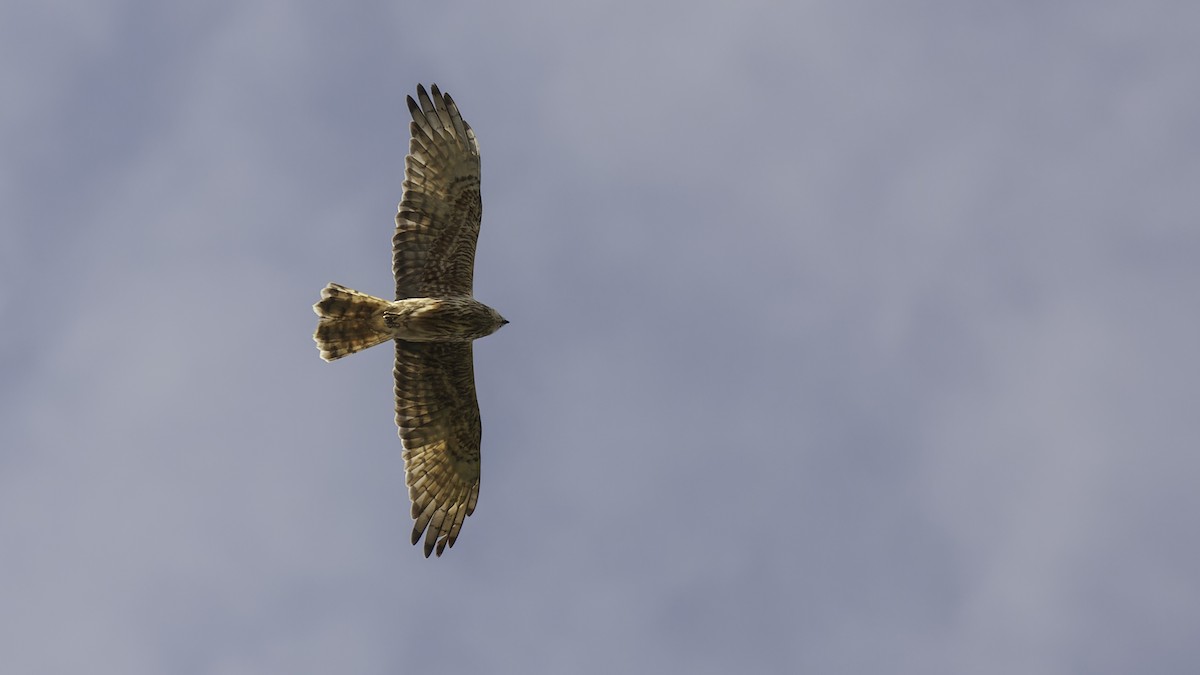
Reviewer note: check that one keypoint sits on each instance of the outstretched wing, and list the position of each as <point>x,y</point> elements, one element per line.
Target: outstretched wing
<point>438,416</point>
<point>433,251</point>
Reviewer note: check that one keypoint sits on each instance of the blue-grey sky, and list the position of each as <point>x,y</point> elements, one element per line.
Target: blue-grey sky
<point>847,337</point>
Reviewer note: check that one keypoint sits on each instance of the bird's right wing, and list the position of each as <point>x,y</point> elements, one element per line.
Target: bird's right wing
<point>437,224</point>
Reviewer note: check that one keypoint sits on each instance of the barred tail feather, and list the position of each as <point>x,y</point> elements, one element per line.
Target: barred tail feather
<point>349,322</point>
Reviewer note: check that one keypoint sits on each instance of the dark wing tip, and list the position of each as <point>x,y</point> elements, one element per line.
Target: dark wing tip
<point>416,536</point>
<point>423,97</point>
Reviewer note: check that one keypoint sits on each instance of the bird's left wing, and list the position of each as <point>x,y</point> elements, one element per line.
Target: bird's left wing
<point>438,417</point>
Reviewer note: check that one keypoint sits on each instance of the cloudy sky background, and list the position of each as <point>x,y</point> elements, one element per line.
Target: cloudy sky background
<point>847,337</point>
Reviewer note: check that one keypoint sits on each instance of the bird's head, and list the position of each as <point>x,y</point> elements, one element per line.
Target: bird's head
<point>497,320</point>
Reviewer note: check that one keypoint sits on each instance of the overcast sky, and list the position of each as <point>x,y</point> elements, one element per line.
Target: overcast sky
<point>847,337</point>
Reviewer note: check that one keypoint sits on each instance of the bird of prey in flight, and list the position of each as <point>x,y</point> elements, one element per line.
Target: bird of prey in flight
<point>432,321</point>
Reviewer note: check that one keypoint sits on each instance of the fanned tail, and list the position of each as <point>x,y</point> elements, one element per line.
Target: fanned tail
<point>349,322</point>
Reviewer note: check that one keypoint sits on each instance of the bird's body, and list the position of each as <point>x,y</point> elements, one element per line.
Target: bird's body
<point>432,321</point>
<point>449,319</point>
<point>352,321</point>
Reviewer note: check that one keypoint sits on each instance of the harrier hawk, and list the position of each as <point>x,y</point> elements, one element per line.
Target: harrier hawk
<point>433,319</point>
